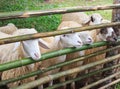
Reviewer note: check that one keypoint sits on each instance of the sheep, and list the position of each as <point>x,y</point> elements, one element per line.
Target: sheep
<point>79,17</point>
<point>95,19</point>
<point>57,43</point>
<point>82,18</point>
<point>86,39</point>
<point>8,29</point>
<point>78,21</point>
<point>18,50</point>
<point>104,34</point>
<point>115,18</point>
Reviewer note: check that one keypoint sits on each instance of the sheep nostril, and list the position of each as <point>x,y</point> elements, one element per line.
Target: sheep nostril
<point>90,40</point>
<point>115,39</point>
<point>36,55</point>
<point>79,42</point>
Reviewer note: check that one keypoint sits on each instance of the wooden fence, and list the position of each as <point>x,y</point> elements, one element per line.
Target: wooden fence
<point>26,61</point>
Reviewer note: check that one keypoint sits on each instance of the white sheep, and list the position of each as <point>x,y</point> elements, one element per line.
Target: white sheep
<point>57,43</point>
<point>18,50</point>
<point>86,39</point>
<point>8,29</point>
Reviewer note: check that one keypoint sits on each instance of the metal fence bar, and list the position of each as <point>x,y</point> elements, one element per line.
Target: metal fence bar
<point>26,14</point>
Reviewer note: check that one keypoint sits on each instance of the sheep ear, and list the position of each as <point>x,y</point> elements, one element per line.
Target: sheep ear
<point>57,39</point>
<point>16,45</point>
<point>92,19</point>
<point>98,31</point>
<point>43,44</point>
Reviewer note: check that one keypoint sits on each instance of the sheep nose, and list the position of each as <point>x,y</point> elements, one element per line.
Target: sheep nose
<point>79,42</point>
<point>115,39</point>
<point>36,55</point>
<point>90,40</point>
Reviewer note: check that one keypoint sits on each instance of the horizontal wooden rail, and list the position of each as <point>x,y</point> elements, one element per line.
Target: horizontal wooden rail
<point>65,73</point>
<point>110,84</point>
<point>48,34</point>
<point>101,81</point>
<point>4,82</point>
<point>26,14</point>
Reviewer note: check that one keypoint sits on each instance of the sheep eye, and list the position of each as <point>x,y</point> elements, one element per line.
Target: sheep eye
<point>79,36</point>
<point>92,19</point>
<point>64,35</point>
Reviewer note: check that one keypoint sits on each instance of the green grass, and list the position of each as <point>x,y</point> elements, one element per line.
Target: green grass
<point>46,23</point>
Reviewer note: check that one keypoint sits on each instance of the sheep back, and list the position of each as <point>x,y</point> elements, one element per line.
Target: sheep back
<point>79,17</point>
<point>8,29</point>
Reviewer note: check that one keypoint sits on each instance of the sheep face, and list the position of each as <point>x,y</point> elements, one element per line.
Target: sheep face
<point>31,47</point>
<point>70,40</point>
<point>108,34</point>
<point>96,18</point>
<point>85,37</point>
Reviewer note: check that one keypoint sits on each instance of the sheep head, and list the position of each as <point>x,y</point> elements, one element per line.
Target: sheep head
<point>31,47</point>
<point>85,37</point>
<point>69,40</point>
<point>108,34</point>
<point>96,18</point>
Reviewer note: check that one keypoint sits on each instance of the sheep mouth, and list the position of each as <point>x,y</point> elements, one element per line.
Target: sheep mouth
<point>111,39</point>
<point>78,46</point>
<point>89,42</point>
<point>36,55</point>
